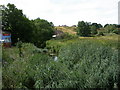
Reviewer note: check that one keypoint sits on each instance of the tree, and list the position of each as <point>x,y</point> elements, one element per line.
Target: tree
<point>106,25</point>
<point>83,29</point>
<point>17,23</point>
<point>100,26</point>
<point>43,32</point>
<point>110,28</point>
<point>97,25</point>
<point>93,29</point>
<point>118,26</point>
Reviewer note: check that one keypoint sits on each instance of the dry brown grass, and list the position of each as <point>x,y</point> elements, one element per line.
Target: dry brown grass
<point>70,30</point>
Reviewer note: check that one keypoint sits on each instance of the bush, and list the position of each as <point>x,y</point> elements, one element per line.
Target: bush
<point>14,74</point>
<point>116,31</point>
<point>22,73</point>
<point>9,55</point>
<point>100,34</point>
<point>53,46</point>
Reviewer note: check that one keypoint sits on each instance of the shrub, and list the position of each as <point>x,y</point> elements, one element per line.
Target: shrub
<point>14,74</point>
<point>22,73</point>
<point>53,46</point>
<point>100,34</point>
<point>110,28</point>
<point>9,55</point>
<point>116,31</point>
<point>27,48</point>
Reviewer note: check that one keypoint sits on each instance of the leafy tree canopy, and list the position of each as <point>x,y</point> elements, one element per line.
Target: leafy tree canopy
<point>83,28</point>
<point>43,32</point>
<point>110,28</point>
<point>17,23</point>
<point>97,25</point>
<point>93,29</point>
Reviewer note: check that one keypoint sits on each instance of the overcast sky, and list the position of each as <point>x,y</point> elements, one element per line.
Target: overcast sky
<point>69,12</point>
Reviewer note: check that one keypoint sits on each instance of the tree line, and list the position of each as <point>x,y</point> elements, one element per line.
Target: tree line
<point>38,31</point>
<point>91,29</point>
<point>35,31</point>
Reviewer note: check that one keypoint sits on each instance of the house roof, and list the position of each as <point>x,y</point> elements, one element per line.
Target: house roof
<point>58,32</point>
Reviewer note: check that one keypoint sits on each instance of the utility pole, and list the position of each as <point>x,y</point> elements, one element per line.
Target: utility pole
<point>119,13</point>
<point>0,48</point>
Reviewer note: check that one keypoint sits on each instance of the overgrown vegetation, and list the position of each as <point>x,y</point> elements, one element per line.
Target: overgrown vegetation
<point>84,63</point>
<point>87,55</point>
<point>94,64</point>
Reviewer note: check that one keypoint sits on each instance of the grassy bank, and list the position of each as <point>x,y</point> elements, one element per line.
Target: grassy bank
<point>112,41</point>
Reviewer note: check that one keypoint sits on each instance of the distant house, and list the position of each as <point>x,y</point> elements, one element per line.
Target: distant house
<point>5,38</point>
<point>57,33</point>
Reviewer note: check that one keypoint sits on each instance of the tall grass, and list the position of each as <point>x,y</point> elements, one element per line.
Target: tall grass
<point>82,63</point>
<point>95,64</point>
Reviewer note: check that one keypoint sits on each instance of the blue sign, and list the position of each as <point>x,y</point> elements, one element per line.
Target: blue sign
<point>6,38</point>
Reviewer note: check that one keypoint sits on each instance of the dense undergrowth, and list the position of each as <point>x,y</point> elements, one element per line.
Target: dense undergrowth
<point>82,63</point>
<point>55,45</point>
